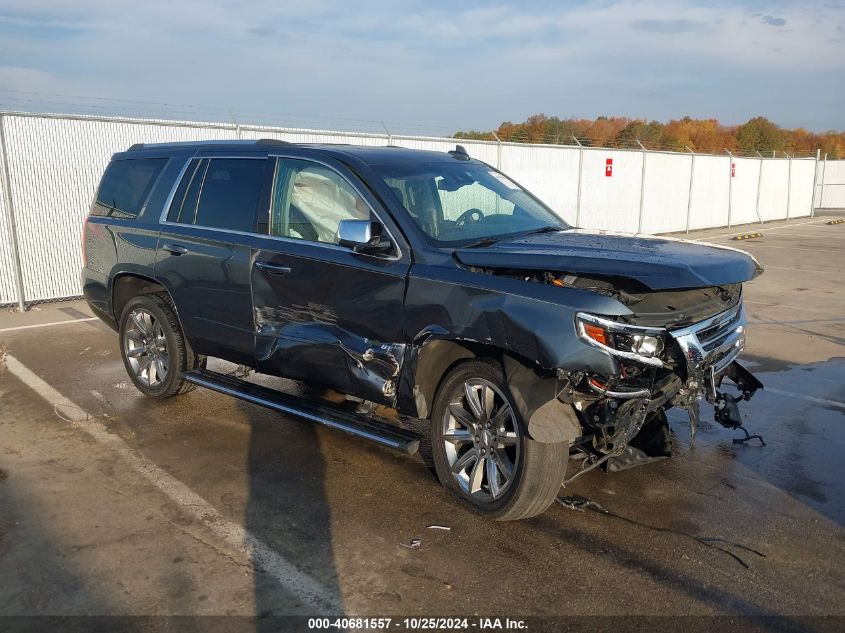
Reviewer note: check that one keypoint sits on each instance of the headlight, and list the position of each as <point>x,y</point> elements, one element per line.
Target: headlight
<point>642,344</point>
<point>646,345</point>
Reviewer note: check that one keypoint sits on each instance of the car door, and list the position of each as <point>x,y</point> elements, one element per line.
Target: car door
<point>325,314</point>
<point>204,252</point>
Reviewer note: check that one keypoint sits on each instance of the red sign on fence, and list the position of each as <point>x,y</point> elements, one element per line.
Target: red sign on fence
<point>733,170</point>
<point>608,167</point>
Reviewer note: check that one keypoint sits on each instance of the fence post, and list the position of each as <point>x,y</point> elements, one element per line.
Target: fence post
<point>498,151</point>
<point>788,185</point>
<point>389,135</point>
<point>689,192</point>
<point>642,190</point>
<point>10,216</point>
<point>759,181</point>
<point>821,189</point>
<point>580,168</point>
<point>730,184</point>
<point>815,182</point>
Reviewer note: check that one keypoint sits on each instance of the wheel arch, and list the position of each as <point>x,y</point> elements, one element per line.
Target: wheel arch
<point>127,285</point>
<point>435,357</point>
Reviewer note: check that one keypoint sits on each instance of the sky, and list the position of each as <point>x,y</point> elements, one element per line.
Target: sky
<point>426,67</point>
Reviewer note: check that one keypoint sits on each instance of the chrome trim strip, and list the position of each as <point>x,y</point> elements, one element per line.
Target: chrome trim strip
<point>705,366</point>
<point>616,326</point>
<point>172,194</point>
<point>722,317</point>
<point>292,240</point>
<point>621,395</point>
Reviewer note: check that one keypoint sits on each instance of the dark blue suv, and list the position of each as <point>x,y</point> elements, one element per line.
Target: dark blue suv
<point>420,286</point>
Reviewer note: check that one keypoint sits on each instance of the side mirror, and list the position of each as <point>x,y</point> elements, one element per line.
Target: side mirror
<point>362,236</point>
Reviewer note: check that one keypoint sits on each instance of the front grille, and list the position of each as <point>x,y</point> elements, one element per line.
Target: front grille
<point>715,334</point>
<point>714,342</point>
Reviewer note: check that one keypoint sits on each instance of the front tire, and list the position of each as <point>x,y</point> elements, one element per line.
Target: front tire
<point>153,347</point>
<point>482,451</point>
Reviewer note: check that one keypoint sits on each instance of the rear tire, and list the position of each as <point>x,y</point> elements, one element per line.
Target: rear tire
<point>153,347</point>
<point>482,451</point>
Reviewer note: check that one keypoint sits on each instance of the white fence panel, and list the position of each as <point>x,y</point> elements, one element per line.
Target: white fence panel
<point>666,192</point>
<point>833,194</point>
<point>710,192</point>
<point>550,173</point>
<point>55,167</point>
<point>611,202</point>
<point>744,190</point>
<point>801,187</point>
<point>773,188</point>
<point>8,289</point>
<point>55,163</point>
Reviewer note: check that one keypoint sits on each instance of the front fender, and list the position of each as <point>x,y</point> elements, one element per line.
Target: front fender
<point>531,320</point>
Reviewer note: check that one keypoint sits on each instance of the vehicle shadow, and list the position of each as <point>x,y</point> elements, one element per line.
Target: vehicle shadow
<point>288,511</point>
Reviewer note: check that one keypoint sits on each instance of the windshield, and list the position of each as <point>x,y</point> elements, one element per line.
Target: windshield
<point>460,203</point>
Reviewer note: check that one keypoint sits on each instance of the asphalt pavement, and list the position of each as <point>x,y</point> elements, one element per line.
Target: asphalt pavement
<point>113,504</point>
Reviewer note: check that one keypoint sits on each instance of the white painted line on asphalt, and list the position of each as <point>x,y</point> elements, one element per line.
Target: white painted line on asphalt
<point>801,396</point>
<point>788,248</point>
<point>51,324</point>
<point>790,306</point>
<point>303,586</point>
<point>753,229</point>
<point>804,270</point>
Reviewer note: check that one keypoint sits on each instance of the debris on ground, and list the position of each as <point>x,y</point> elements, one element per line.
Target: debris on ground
<point>415,543</point>
<point>579,503</point>
<point>439,527</point>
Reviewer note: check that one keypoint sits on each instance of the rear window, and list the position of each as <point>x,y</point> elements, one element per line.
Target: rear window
<point>125,186</point>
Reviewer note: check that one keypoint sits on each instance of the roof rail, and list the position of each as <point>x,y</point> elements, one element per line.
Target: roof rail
<point>271,142</point>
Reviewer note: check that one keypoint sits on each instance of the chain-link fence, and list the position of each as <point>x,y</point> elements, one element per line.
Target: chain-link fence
<point>51,165</point>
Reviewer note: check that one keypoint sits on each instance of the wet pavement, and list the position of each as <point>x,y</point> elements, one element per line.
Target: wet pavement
<point>717,529</point>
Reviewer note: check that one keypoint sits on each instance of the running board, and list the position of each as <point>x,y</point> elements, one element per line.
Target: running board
<point>358,425</point>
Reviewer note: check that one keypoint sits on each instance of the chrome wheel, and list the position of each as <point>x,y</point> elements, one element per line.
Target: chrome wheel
<point>481,439</point>
<point>145,346</point>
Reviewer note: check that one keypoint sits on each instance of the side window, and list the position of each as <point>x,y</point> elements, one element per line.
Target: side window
<point>125,186</point>
<point>231,190</point>
<point>310,200</point>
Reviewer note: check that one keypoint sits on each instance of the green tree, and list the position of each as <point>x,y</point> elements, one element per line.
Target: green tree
<point>760,134</point>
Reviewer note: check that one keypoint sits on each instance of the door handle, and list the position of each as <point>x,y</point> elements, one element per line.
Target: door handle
<point>273,269</point>
<point>175,249</point>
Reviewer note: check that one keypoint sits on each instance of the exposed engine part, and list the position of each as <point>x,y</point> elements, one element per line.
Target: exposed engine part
<point>615,426</point>
<point>652,443</point>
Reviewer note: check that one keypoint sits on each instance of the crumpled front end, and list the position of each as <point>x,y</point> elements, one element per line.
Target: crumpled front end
<point>623,414</point>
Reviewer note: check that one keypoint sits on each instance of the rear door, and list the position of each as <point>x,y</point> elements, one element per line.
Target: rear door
<point>325,314</point>
<point>204,255</point>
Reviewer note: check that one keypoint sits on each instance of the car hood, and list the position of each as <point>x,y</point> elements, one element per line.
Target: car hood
<point>658,262</point>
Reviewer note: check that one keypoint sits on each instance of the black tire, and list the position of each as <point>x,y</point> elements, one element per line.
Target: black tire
<point>538,469</point>
<point>178,353</point>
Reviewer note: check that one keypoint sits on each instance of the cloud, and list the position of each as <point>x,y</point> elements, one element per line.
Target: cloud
<point>773,21</point>
<point>670,26</point>
<point>430,63</point>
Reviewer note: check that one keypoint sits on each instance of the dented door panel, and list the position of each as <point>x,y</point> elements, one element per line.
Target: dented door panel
<point>333,319</point>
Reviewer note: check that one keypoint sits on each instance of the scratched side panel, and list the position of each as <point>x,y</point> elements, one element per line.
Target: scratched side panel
<point>532,320</point>
<point>334,319</point>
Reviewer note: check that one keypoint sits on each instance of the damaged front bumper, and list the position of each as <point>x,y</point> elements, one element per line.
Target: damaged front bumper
<point>687,365</point>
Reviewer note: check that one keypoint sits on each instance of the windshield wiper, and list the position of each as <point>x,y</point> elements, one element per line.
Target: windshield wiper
<point>544,229</point>
<point>487,241</point>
